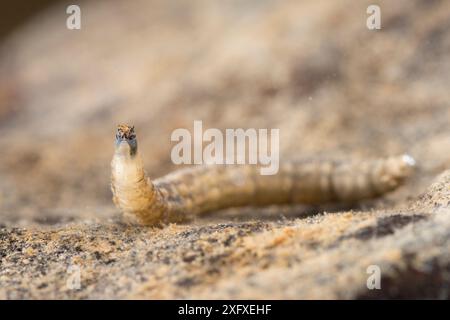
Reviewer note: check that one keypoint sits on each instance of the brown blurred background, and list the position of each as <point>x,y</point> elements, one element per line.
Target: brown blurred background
<point>310,68</point>
<point>16,13</point>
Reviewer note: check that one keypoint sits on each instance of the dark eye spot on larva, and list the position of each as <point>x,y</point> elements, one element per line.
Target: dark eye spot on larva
<point>125,132</point>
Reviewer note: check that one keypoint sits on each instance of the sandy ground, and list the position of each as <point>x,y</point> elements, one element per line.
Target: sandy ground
<point>310,68</point>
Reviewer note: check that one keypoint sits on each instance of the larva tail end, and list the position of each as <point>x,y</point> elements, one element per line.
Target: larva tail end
<point>398,169</point>
<point>409,161</point>
<point>407,166</point>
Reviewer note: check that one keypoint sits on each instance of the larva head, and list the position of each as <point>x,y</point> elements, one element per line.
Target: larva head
<point>126,143</point>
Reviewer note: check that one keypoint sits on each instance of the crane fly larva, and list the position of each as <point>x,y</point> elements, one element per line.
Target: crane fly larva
<point>194,191</point>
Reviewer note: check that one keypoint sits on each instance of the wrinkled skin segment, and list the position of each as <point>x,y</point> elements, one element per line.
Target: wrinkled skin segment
<point>190,192</point>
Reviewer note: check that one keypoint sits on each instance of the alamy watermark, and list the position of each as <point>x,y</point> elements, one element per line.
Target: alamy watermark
<point>234,146</point>
<point>73,281</point>
<point>374,280</point>
<point>73,21</point>
<point>373,22</point>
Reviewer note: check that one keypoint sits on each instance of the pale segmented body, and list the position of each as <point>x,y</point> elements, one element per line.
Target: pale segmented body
<point>189,192</point>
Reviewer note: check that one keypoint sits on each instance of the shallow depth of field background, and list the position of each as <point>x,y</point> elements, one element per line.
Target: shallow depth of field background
<point>310,68</point>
